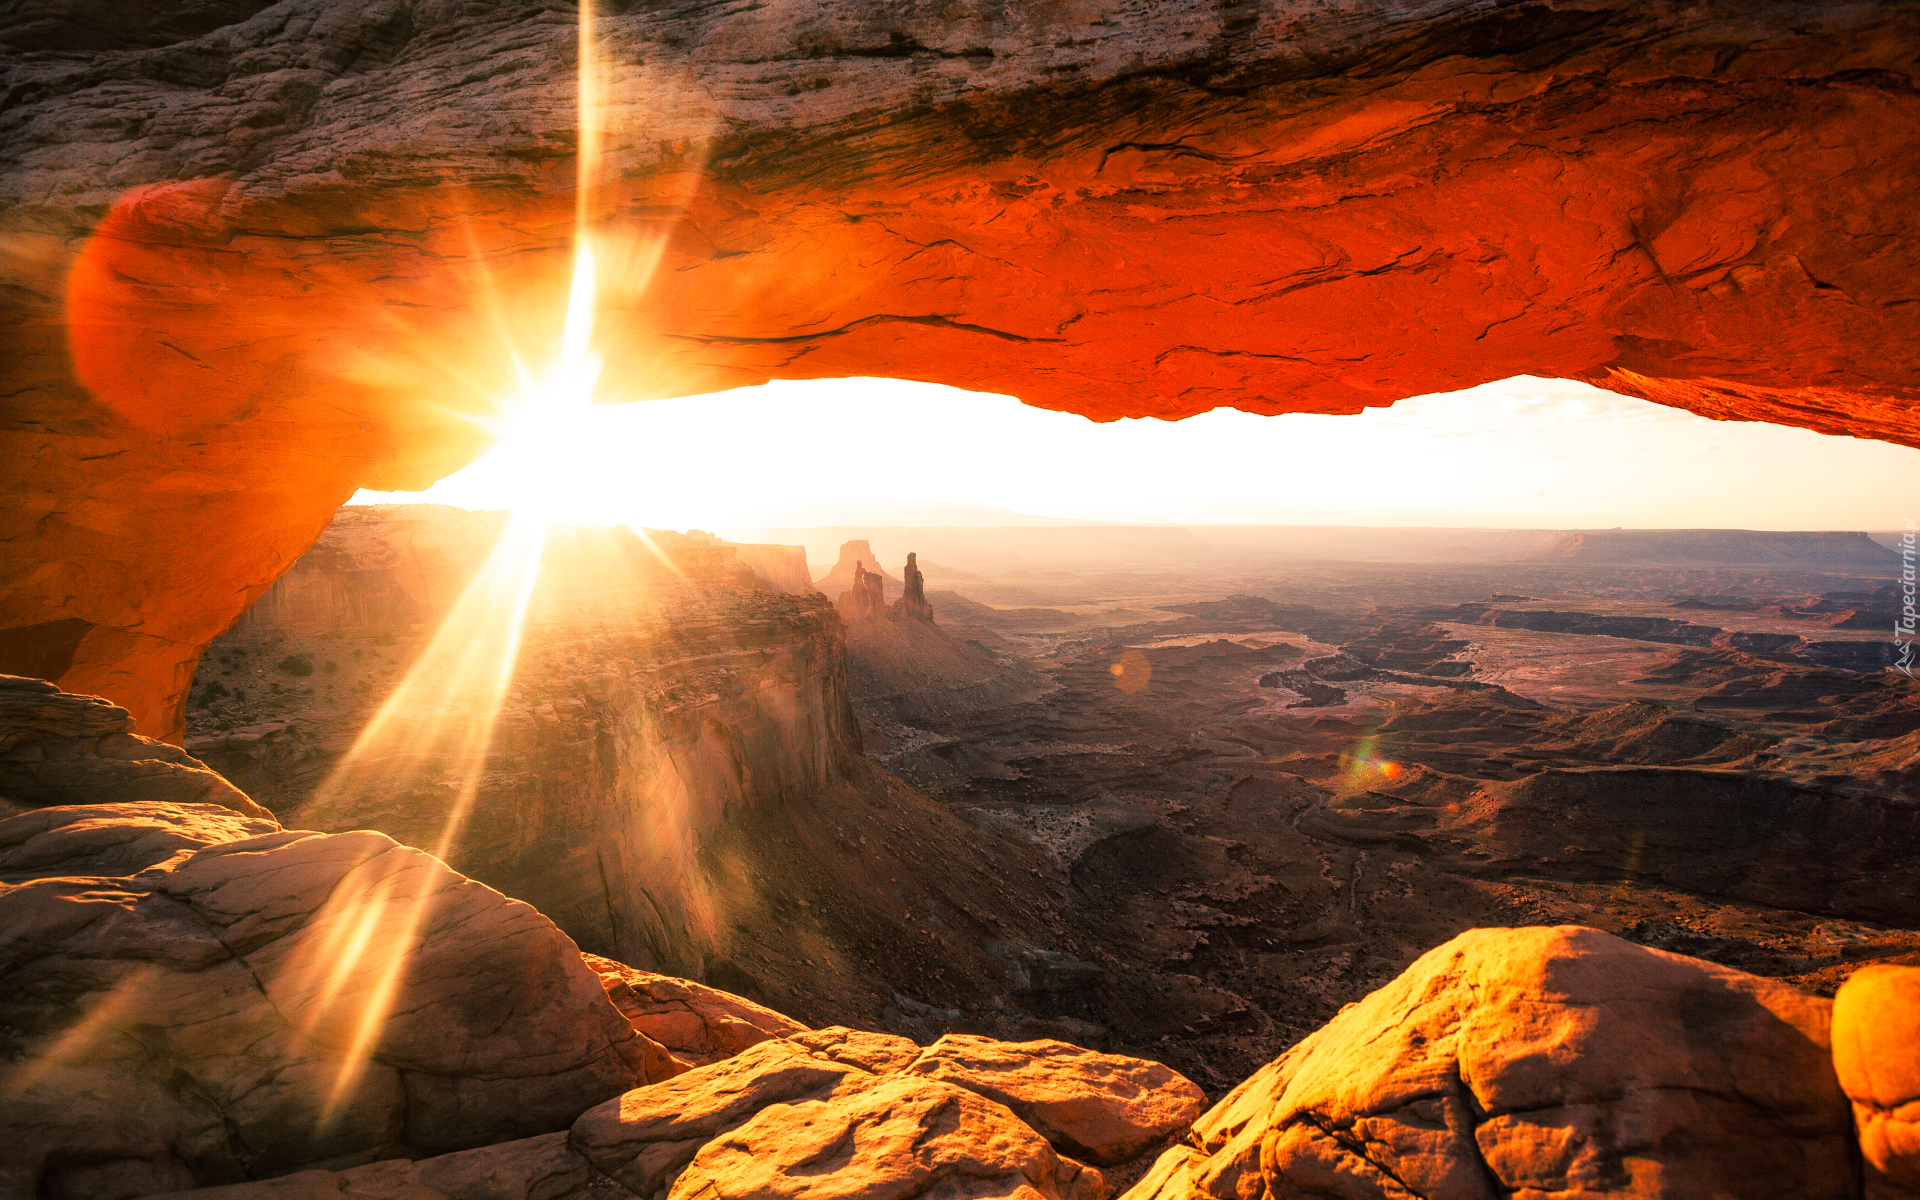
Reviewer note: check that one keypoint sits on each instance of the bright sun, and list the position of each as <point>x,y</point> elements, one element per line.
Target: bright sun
<point>543,425</point>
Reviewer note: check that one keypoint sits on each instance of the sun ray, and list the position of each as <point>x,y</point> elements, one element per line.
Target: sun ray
<point>446,708</point>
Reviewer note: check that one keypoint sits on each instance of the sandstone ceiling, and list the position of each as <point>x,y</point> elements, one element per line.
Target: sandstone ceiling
<point>258,256</point>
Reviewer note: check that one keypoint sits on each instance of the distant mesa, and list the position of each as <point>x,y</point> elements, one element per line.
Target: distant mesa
<point>1704,547</point>
<point>780,567</point>
<point>857,555</point>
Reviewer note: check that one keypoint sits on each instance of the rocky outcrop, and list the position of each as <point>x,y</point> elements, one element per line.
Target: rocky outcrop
<point>384,569</point>
<point>113,840</point>
<point>1535,1063</point>
<point>257,1001</point>
<point>656,687</point>
<point>699,1024</point>
<point>59,749</point>
<point>912,604</point>
<point>192,998</point>
<point>1789,839</point>
<point>864,600</point>
<point>1876,1025</point>
<point>1103,1108</point>
<point>832,1111</point>
<point>1419,198</point>
<point>899,1136</point>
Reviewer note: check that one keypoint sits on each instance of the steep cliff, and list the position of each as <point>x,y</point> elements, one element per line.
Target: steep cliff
<point>668,767</point>
<point>657,688</point>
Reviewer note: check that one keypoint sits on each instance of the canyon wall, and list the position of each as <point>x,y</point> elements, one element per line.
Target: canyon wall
<point>657,689</point>
<point>261,257</point>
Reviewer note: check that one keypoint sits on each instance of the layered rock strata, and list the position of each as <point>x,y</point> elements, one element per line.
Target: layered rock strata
<point>657,688</point>
<point>58,749</point>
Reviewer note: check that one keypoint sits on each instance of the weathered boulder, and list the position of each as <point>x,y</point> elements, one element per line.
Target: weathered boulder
<point>269,1001</point>
<point>1538,1063</point>
<point>57,748</point>
<point>645,1138</point>
<point>886,1139</point>
<point>1876,1054</point>
<point>699,1024</point>
<point>1105,1108</point>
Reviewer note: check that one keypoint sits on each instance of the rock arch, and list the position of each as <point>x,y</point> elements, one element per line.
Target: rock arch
<point>254,267</point>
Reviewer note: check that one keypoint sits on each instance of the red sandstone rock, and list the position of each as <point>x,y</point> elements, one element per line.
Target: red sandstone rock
<point>886,1139</point>
<point>1538,1063</point>
<point>1876,1054</point>
<point>644,1138</point>
<point>1105,1108</point>
<point>263,1002</point>
<point>863,601</point>
<point>61,749</point>
<point>881,1053</point>
<point>784,567</point>
<point>699,1024</point>
<point>309,215</point>
<point>912,604</point>
<point>755,1123</point>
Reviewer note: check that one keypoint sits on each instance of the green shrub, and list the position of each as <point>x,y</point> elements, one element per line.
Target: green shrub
<point>296,664</point>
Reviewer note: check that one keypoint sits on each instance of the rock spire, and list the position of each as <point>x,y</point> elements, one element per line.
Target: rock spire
<point>866,599</point>
<point>912,604</point>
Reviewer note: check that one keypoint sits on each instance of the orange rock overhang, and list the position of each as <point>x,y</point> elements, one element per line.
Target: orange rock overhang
<point>252,271</point>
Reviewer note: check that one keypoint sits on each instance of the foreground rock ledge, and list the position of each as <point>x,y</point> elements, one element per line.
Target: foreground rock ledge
<point>196,997</point>
<point>1136,210</point>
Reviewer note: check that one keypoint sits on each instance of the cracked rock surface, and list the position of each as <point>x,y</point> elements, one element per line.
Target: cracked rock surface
<point>245,240</point>
<point>1537,1063</point>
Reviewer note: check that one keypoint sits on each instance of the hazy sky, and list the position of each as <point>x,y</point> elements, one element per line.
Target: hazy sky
<point>1525,452</point>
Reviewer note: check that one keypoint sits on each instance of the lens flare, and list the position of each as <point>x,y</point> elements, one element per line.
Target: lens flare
<point>436,730</point>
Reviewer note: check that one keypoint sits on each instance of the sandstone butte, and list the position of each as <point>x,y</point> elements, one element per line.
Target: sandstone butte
<point>257,257</point>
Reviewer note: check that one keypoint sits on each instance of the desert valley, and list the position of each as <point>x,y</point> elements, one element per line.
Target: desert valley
<point>1297,711</point>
